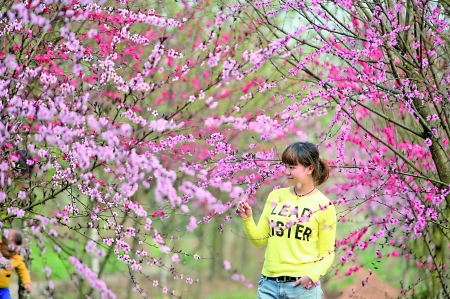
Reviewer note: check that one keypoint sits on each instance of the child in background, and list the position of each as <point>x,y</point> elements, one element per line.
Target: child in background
<point>10,259</point>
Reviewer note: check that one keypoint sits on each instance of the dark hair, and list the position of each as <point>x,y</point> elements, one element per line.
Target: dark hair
<point>17,237</point>
<point>22,165</point>
<point>307,154</point>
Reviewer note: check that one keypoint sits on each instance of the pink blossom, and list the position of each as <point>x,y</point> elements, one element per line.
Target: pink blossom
<point>175,258</point>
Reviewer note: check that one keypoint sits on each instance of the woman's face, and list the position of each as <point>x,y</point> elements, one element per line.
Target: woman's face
<point>298,174</point>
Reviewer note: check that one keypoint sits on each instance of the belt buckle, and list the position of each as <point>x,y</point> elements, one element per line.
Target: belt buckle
<point>281,279</point>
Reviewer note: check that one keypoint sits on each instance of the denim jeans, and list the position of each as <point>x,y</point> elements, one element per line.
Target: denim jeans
<point>270,289</point>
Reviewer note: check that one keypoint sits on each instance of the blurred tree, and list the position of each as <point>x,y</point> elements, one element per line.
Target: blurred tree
<point>193,101</point>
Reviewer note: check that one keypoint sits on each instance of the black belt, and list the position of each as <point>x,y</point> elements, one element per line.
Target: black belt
<point>283,278</point>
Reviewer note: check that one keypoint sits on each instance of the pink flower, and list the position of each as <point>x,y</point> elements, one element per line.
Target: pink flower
<point>90,246</point>
<point>22,195</point>
<point>175,258</point>
<point>136,267</point>
<point>226,265</point>
<point>192,224</point>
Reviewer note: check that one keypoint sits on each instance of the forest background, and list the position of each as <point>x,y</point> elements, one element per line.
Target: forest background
<point>148,121</point>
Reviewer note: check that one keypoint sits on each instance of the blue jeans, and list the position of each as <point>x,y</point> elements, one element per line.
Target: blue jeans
<point>4,294</point>
<point>270,289</point>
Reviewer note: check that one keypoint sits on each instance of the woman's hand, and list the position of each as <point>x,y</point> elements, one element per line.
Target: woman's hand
<point>305,282</point>
<point>244,210</point>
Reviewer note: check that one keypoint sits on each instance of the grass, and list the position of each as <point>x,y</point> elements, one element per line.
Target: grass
<point>388,269</point>
<point>60,265</point>
<point>51,260</point>
<point>335,286</point>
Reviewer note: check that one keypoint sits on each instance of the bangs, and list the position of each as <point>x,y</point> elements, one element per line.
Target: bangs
<point>295,154</point>
<point>289,156</point>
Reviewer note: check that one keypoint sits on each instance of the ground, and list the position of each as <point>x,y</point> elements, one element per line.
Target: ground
<point>375,289</point>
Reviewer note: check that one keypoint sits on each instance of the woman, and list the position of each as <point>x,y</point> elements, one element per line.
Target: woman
<point>298,225</point>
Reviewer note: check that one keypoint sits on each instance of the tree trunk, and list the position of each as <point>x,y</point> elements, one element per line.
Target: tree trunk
<point>443,171</point>
<point>199,250</point>
<point>217,251</point>
<point>26,245</point>
<point>95,261</point>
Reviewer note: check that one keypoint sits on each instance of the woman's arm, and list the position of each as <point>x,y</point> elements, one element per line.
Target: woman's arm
<point>257,234</point>
<point>327,239</point>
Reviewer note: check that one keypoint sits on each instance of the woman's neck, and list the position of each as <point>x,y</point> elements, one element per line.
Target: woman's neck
<point>304,189</point>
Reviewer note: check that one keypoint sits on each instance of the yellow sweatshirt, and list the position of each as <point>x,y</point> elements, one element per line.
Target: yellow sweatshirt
<point>299,232</point>
<point>18,264</point>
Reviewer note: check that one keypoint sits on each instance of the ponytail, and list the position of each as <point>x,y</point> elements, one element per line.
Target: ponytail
<point>321,173</point>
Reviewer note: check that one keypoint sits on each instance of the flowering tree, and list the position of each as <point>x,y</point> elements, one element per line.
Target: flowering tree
<point>382,67</point>
<point>117,104</point>
<point>138,113</point>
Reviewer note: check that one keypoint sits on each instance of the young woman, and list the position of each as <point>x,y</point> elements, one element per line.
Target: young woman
<point>298,225</point>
